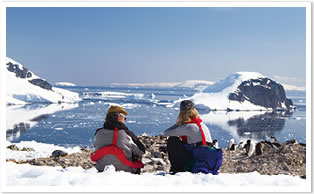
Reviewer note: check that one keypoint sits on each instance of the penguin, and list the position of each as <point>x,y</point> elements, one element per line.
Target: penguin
<point>241,145</point>
<point>251,148</point>
<point>268,143</point>
<point>231,141</point>
<point>234,146</point>
<point>291,142</point>
<point>276,143</point>
<point>259,148</point>
<point>247,145</point>
<point>215,142</point>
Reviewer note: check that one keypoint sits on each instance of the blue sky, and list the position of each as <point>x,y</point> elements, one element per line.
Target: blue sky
<point>99,46</point>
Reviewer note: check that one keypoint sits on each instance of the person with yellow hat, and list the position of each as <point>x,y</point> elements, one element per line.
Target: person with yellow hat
<point>116,145</point>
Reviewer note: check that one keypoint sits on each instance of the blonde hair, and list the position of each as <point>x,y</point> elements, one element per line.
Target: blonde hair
<point>185,116</point>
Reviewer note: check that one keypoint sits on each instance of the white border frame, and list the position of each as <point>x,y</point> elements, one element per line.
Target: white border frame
<point>5,4</point>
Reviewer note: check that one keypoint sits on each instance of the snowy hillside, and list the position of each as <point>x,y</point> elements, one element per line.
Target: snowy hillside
<point>226,93</point>
<point>23,86</point>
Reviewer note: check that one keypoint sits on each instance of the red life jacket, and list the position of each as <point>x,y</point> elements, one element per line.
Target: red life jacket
<point>198,122</point>
<point>115,150</point>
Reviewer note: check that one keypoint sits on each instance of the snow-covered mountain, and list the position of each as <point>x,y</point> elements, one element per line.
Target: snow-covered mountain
<point>23,86</point>
<point>242,91</point>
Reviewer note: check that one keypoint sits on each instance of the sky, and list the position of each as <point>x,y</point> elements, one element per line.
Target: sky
<point>98,46</point>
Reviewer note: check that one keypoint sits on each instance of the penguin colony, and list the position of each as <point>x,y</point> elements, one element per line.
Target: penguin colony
<point>257,148</point>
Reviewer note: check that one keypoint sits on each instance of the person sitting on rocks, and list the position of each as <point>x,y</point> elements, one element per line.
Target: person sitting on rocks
<point>116,145</point>
<point>191,131</point>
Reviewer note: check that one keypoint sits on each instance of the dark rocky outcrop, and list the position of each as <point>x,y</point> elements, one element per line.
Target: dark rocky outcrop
<point>41,83</point>
<point>288,158</point>
<point>21,73</point>
<point>263,92</point>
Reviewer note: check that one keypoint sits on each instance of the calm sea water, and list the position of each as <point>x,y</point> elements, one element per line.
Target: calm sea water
<point>75,124</point>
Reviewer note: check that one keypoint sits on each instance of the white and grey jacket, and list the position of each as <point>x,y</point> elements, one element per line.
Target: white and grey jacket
<point>191,131</point>
<point>104,137</point>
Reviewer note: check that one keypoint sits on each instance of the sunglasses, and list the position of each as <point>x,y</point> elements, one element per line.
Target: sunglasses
<point>122,115</point>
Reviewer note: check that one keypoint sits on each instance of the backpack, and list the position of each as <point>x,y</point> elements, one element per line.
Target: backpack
<point>206,159</point>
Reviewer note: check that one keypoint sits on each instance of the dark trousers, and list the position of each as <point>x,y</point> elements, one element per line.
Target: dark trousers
<point>178,155</point>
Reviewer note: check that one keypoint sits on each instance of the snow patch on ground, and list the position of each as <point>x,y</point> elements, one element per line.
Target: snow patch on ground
<point>41,150</point>
<point>71,177</point>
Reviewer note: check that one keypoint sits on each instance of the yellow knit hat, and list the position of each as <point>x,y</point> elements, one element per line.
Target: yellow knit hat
<point>118,109</point>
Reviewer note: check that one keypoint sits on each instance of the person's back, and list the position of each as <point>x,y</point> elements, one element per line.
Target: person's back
<point>104,137</point>
<point>125,141</point>
<point>191,150</point>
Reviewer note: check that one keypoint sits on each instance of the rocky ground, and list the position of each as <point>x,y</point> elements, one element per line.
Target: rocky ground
<point>285,158</point>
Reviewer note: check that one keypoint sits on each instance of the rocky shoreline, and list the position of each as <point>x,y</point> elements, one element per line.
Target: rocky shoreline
<point>287,158</point>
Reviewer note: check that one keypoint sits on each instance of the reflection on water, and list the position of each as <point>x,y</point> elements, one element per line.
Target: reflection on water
<point>260,127</point>
<point>17,130</point>
<point>256,125</point>
<point>21,118</point>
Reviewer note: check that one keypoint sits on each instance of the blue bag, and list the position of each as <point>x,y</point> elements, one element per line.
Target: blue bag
<point>207,159</point>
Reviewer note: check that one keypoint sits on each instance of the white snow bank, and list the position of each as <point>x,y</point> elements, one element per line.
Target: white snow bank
<point>85,180</point>
<point>64,84</point>
<point>42,150</point>
<point>21,91</point>
<point>110,180</point>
